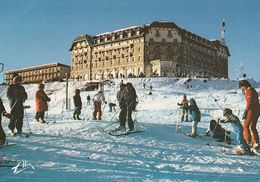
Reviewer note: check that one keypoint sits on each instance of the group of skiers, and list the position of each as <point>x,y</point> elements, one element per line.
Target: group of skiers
<point>127,99</point>
<point>247,136</point>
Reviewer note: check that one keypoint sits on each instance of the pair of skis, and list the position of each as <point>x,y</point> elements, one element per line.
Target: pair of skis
<point>123,133</point>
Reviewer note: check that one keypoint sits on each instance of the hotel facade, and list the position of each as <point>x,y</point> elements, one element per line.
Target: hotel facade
<point>156,49</point>
<point>37,74</point>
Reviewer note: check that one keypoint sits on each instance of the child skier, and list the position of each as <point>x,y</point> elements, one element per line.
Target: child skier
<point>184,105</point>
<point>77,104</point>
<point>195,116</point>
<point>216,131</point>
<point>88,99</point>
<point>98,99</point>
<point>41,103</point>
<point>238,129</point>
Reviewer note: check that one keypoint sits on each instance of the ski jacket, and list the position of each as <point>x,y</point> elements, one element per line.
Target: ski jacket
<point>99,97</point>
<point>16,95</point>
<point>234,121</point>
<point>120,98</point>
<point>2,110</point>
<point>194,110</point>
<point>129,97</point>
<point>184,104</point>
<point>41,101</point>
<point>77,101</point>
<point>252,102</point>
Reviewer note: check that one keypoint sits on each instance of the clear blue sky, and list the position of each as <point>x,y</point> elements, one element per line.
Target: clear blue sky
<point>34,32</point>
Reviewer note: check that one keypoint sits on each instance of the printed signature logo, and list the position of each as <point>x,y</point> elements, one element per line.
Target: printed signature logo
<point>22,166</point>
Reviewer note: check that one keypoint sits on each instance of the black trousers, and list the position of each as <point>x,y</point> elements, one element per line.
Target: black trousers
<point>16,120</point>
<point>40,115</point>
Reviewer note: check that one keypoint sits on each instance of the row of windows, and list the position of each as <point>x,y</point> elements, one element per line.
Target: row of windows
<point>37,72</point>
<point>116,36</point>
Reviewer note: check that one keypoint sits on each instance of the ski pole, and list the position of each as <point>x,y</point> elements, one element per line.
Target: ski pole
<point>104,107</point>
<point>11,110</point>
<point>178,121</point>
<point>114,115</point>
<point>28,125</point>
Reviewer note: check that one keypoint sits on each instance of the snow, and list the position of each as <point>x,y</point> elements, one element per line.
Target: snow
<point>70,150</point>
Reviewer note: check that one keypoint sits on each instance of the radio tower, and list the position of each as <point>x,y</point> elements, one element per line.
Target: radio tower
<point>222,38</point>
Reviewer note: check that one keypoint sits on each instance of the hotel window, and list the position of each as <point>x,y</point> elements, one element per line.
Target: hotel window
<point>157,34</point>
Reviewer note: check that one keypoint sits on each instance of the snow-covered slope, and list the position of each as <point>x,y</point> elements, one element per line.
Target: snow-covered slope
<point>71,150</point>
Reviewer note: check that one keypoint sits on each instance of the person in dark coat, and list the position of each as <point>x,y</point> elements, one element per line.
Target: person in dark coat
<point>123,107</point>
<point>77,104</point>
<point>195,116</point>
<point>3,113</point>
<point>16,95</point>
<point>88,99</point>
<point>130,99</point>
<point>218,132</point>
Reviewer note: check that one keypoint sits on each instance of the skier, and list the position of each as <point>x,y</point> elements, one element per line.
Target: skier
<point>123,108</point>
<point>4,113</point>
<point>237,128</point>
<point>17,96</point>
<point>41,99</point>
<point>112,106</point>
<point>88,99</point>
<point>98,99</point>
<point>151,87</point>
<point>216,131</point>
<point>130,99</point>
<point>195,116</point>
<point>251,114</point>
<point>184,107</point>
<point>77,104</point>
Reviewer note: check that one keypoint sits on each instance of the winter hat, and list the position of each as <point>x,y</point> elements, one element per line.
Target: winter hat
<point>227,111</point>
<point>77,91</point>
<point>18,77</point>
<point>41,85</point>
<point>243,83</point>
<point>14,75</point>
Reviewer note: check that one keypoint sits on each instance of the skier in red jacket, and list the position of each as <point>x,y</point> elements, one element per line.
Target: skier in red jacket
<point>251,113</point>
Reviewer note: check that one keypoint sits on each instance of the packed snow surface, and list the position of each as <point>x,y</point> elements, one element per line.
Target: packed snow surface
<point>70,150</point>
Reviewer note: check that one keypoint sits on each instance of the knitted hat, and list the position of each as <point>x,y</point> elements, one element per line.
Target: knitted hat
<point>227,111</point>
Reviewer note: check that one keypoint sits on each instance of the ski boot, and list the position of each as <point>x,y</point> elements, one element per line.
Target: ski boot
<point>193,135</point>
<point>40,120</point>
<point>120,128</point>
<point>78,118</point>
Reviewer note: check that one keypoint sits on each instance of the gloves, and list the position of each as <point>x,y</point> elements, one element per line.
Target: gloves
<point>105,102</point>
<point>179,104</point>
<point>7,115</point>
<point>244,115</point>
<point>220,121</point>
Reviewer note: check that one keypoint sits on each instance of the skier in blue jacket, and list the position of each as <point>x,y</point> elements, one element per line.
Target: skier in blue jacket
<point>195,116</point>
<point>237,128</point>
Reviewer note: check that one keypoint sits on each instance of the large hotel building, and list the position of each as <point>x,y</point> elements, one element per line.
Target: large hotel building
<point>37,74</point>
<point>156,49</point>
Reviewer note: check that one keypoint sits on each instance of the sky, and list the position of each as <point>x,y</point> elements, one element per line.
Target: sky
<point>34,32</point>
